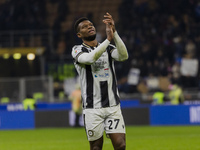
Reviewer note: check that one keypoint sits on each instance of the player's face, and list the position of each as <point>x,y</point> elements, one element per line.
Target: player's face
<point>86,30</point>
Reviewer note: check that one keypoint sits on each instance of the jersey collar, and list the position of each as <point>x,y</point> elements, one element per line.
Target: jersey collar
<point>89,45</point>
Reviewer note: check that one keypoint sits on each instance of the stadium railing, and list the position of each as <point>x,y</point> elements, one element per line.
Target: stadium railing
<point>17,89</point>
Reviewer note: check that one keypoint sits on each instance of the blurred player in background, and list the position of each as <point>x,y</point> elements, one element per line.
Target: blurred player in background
<point>176,95</point>
<point>75,98</point>
<point>94,63</point>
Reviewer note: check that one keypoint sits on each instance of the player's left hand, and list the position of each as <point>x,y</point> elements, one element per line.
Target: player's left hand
<point>108,19</point>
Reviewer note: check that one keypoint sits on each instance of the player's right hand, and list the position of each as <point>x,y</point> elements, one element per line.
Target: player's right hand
<point>109,29</point>
<point>109,32</point>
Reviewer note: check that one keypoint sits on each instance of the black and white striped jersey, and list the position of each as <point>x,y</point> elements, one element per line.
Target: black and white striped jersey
<point>98,81</point>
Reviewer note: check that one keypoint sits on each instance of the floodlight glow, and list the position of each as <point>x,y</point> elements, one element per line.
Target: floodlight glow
<point>6,56</point>
<point>30,56</point>
<point>17,55</point>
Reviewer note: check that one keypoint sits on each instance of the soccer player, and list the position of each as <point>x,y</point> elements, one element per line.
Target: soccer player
<point>94,63</point>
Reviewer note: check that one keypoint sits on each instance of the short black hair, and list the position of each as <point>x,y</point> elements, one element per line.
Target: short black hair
<point>77,23</point>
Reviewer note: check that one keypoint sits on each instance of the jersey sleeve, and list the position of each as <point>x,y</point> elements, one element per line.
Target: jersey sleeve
<point>120,52</point>
<point>83,56</point>
<point>76,52</point>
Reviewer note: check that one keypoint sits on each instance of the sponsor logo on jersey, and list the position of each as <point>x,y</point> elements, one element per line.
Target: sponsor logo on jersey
<point>105,75</point>
<point>99,65</point>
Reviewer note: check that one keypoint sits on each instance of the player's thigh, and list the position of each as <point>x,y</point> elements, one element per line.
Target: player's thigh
<point>118,140</point>
<point>94,124</point>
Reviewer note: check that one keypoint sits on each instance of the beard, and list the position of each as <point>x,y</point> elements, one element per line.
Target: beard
<point>90,38</point>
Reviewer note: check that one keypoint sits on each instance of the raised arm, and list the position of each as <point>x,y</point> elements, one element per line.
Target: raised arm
<point>120,53</point>
<point>89,58</point>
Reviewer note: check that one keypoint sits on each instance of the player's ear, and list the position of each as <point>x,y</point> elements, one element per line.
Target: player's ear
<point>79,35</point>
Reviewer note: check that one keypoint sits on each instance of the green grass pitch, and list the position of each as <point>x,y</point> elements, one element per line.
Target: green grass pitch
<point>138,138</point>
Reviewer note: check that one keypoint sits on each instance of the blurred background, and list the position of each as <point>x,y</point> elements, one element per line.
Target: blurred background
<point>36,38</point>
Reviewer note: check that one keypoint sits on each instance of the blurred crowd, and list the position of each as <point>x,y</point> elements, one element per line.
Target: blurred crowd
<point>162,37</point>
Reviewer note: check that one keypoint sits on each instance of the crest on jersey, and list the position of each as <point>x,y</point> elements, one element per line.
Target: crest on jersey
<point>75,50</point>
